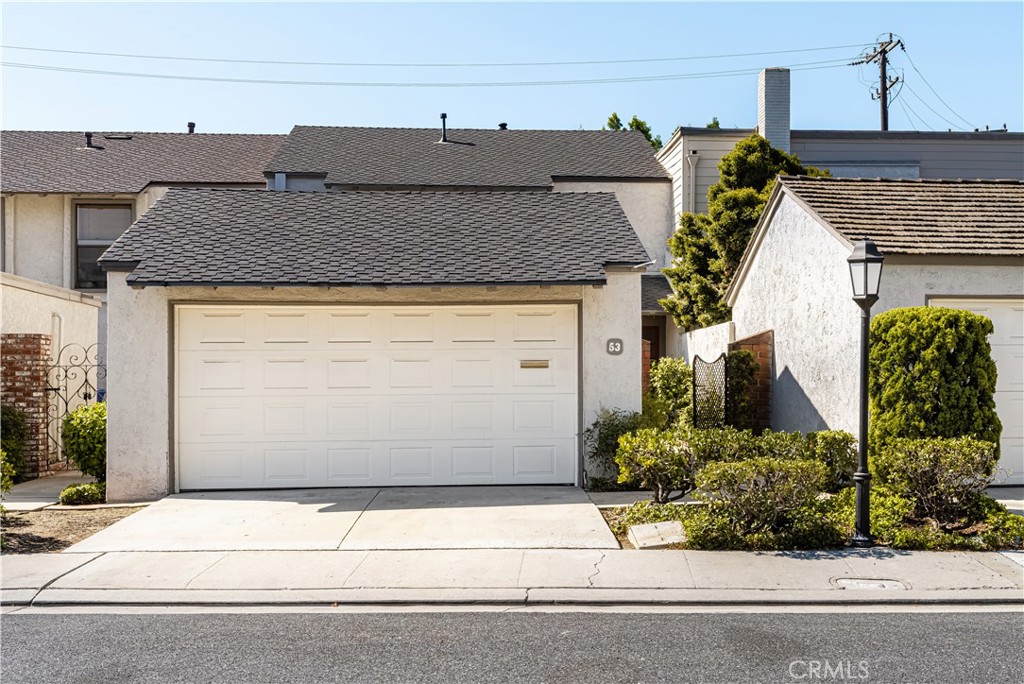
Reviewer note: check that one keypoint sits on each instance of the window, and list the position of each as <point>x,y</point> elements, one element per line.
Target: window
<point>98,225</point>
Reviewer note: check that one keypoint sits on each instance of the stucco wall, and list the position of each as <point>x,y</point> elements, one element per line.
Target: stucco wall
<point>139,382</point>
<point>707,343</point>
<point>647,205</point>
<point>34,228</point>
<point>799,286</point>
<point>68,317</point>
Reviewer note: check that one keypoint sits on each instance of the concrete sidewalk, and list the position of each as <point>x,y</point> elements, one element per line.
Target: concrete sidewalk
<point>512,577</point>
<point>33,495</point>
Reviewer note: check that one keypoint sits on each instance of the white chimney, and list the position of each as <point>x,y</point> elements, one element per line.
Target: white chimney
<point>773,106</point>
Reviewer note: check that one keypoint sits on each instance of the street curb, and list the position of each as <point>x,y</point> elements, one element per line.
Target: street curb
<point>509,597</point>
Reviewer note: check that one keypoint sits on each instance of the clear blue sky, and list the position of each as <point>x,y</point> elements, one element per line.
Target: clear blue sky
<point>971,54</point>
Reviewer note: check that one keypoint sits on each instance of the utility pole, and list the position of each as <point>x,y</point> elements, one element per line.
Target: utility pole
<point>885,84</point>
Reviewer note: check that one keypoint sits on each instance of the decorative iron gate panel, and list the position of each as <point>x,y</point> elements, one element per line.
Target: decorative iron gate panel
<point>75,379</point>
<point>709,395</point>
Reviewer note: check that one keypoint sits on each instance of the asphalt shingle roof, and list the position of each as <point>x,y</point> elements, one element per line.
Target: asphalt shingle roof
<point>920,216</point>
<point>259,237</point>
<point>653,287</point>
<point>59,161</point>
<point>474,157</point>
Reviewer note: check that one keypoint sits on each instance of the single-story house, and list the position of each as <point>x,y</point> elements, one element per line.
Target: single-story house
<point>295,339</point>
<point>946,243</point>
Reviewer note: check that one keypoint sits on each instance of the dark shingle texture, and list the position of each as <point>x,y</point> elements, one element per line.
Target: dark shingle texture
<point>653,287</point>
<point>239,237</point>
<point>920,216</point>
<point>475,157</point>
<point>59,161</point>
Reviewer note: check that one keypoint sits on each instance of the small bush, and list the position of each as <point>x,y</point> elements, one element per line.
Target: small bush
<point>85,439</point>
<point>83,494</point>
<point>720,444</point>
<point>761,494</point>
<point>646,512</point>
<point>740,372</point>
<point>932,375</point>
<point>13,435</point>
<point>672,381</point>
<point>659,461</point>
<point>601,439</point>
<point>838,451</point>
<point>712,528</point>
<point>6,474</point>
<point>945,478</point>
<point>788,446</point>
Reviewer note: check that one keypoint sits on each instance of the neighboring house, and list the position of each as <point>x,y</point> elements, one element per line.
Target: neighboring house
<point>958,244</point>
<point>424,313</point>
<point>66,196</point>
<point>691,155</point>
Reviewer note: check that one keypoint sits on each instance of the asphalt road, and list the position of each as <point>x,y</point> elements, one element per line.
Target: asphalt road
<point>513,647</point>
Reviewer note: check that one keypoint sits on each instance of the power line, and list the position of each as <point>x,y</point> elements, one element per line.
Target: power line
<point>932,109</point>
<point>180,58</point>
<point>914,66</point>
<point>805,66</point>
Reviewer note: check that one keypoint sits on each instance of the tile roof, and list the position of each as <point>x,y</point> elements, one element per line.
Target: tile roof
<point>259,237</point>
<point>653,287</point>
<point>59,161</point>
<point>920,216</point>
<point>474,157</point>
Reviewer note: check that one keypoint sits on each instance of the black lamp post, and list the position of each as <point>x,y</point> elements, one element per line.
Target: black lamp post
<point>865,272</point>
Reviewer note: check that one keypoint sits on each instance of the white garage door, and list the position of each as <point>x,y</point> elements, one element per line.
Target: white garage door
<point>335,396</point>
<point>1007,342</point>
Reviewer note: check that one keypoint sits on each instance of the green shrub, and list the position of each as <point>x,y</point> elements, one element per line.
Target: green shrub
<point>659,460</point>
<point>83,494</point>
<point>85,439</point>
<point>13,435</point>
<point>644,513</point>
<point>720,444</point>
<point>932,375</point>
<point>6,474</point>
<point>943,477</point>
<point>888,511</point>
<point>761,494</point>
<point>838,451</point>
<point>740,372</point>
<point>601,439</point>
<point>672,381</point>
<point>788,446</point>
<point>712,528</point>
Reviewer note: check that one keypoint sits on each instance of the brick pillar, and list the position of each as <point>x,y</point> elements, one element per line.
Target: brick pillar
<point>24,363</point>
<point>762,347</point>
<point>646,364</point>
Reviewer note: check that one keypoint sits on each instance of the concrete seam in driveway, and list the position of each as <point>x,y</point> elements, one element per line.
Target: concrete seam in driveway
<point>356,521</point>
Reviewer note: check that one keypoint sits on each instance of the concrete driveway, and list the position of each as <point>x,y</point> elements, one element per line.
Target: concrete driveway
<point>398,518</point>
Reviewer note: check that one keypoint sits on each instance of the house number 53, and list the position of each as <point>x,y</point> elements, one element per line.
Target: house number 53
<point>614,346</point>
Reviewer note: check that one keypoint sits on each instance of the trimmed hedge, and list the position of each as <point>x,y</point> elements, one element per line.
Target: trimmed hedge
<point>659,461</point>
<point>13,435</point>
<point>672,381</point>
<point>85,439</point>
<point>83,494</point>
<point>932,375</point>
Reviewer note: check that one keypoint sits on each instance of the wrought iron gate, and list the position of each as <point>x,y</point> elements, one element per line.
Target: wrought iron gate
<point>76,378</point>
<point>709,392</point>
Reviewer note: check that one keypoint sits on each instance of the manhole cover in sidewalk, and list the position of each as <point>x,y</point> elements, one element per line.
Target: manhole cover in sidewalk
<point>867,583</point>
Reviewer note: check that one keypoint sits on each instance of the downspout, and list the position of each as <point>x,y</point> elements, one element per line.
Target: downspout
<point>692,160</point>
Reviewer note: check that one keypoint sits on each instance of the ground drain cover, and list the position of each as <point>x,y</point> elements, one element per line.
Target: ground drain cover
<point>868,583</point>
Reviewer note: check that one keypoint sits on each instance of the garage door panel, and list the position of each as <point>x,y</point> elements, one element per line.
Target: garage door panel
<point>364,396</point>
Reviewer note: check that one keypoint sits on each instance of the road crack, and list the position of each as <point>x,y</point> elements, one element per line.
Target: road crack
<point>597,570</point>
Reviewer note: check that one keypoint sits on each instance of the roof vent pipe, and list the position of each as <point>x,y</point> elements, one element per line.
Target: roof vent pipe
<point>503,127</point>
<point>191,127</point>
<point>88,139</point>
<point>444,128</point>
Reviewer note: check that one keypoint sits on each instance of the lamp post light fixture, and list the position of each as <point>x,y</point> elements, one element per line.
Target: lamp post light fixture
<point>865,272</point>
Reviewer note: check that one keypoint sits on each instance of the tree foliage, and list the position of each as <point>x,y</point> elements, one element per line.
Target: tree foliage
<point>614,123</point>
<point>707,248</point>
<point>713,123</point>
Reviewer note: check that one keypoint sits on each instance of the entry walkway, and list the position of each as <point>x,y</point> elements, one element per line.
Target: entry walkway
<point>34,495</point>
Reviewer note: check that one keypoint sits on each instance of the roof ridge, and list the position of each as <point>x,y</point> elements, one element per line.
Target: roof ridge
<point>906,181</point>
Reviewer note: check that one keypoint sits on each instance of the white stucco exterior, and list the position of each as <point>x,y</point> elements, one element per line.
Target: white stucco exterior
<point>140,436</point>
<point>647,205</point>
<point>797,283</point>
<point>28,306</point>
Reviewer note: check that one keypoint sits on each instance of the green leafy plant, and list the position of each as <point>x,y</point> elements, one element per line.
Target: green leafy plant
<point>945,478</point>
<point>6,474</point>
<point>932,375</point>
<point>659,461</point>
<point>644,513</point>
<point>13,435</point>
<point>84,432</point>
<point>83,494</point>
<point>614,123</point>
<point>740,374</point>
<point>761,494</point>
<point>838,451</point>
<point>720,444</point>
<point>672,382</point>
